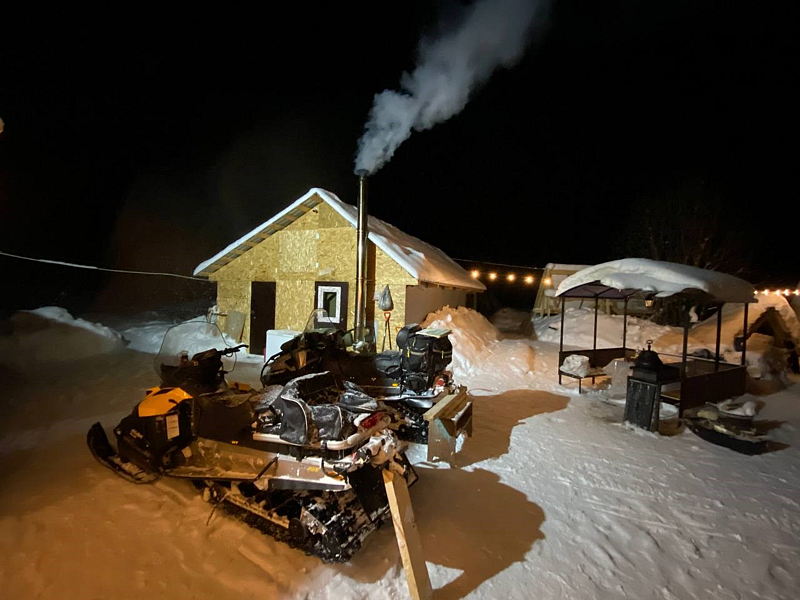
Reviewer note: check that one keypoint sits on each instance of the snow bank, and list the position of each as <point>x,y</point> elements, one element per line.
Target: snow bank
<point>52,334</point>
<point>146,337</point>
<point>482,361</point>
<point>661,278</point>
<point>765,360</point>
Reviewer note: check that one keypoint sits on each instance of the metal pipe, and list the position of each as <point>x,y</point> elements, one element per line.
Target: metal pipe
<point>561,343</point>
<point>594,342</point>
<point>625,323</point>
<point>686,322</point>
<point>719,336</point>
<point>744,336</point>
<point>361,259</point>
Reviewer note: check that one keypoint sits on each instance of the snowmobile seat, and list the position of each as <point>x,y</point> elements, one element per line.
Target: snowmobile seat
<point>389,363</point>
<point>225,415</point>
<point>314,388</point>
<point>405,333</point>
<point>295,419</point>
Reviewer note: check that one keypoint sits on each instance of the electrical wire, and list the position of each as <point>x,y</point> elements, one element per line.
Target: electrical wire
<point>66,264</point>
<point>486,262</point>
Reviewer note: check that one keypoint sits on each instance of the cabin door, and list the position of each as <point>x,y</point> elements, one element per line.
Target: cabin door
<point>262,314</point>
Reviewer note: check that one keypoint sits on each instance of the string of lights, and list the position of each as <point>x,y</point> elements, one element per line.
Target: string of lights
<point>784,292</point>
<point>509,277</point>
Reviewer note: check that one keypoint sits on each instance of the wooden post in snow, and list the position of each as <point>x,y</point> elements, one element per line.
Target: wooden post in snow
<point>419,584</point>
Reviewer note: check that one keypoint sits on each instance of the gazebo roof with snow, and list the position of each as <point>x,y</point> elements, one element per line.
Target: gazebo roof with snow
<point>421,260</point>
<point>619,279</point>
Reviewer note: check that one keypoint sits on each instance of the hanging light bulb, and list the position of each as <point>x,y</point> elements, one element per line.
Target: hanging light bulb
<point>492,276</point>
<point>529,280</point>
<point>511,277</point>
<point>547,281</point>
<point>475,274</point>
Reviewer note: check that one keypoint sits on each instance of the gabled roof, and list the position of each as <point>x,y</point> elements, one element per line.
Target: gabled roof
<point>624,277</point>
<point>421,260</point>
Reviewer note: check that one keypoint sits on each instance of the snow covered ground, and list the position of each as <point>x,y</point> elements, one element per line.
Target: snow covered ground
<point>554,498</point>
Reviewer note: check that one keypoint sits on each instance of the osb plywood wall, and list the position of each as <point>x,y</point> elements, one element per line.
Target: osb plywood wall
<point>319,246</point>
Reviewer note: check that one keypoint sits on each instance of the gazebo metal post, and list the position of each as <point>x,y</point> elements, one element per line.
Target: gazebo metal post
<point>594,341</point>
<point>625,322</point>
<point>686,322</point>
<point>719,335</point>
<point>561,339</point>
<point>744,336</point>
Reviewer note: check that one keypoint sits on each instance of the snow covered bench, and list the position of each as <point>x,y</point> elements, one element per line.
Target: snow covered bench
<point>599,358</point>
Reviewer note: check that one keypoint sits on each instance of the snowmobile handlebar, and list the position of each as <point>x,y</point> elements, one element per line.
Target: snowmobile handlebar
<point>233,350</point>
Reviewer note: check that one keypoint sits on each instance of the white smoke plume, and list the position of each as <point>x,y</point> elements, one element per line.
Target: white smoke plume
<point>489,34</point>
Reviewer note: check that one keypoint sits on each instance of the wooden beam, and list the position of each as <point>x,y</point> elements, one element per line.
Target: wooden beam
<point>447,420</point>
<point>448,405</point>
<point>405,529</point>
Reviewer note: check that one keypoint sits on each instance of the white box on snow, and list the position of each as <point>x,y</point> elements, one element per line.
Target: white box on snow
<point>276,338</point>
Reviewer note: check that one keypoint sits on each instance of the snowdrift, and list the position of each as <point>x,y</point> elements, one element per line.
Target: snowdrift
<point>579,327</point>
<point>52,334</point>
<point>482,361</point>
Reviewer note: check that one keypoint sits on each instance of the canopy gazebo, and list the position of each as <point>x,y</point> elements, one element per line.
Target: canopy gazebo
<point>701,380</point>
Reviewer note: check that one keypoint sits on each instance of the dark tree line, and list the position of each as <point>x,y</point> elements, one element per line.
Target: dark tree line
<point>692,226</point>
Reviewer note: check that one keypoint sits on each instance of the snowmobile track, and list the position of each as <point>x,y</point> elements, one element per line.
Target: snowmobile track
<point>328,548</point>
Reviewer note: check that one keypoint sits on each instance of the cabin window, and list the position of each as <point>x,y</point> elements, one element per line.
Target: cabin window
<point>331,296</point>
<point>330,299</point>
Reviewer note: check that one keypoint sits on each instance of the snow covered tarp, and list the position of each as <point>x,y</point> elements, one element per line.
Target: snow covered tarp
<point>629,275</point>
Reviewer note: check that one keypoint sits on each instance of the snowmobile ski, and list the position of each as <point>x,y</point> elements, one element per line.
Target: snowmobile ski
<point>101,449</point>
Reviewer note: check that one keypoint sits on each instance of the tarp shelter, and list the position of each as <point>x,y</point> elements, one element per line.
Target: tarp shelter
<point>701,380</point>
<point>554,273</point>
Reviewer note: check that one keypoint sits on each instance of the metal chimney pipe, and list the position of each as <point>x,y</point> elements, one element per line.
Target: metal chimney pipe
<point>361,260</point>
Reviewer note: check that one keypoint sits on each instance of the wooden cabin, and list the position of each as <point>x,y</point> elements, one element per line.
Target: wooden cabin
<point>304,258</point>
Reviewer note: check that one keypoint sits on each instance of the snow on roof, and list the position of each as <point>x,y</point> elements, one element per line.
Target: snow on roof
<point>421,260</point>
<point>660,278</point>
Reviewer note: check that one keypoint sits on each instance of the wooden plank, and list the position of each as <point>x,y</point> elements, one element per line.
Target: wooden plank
<point>448,405</point>
<point>405,529</point>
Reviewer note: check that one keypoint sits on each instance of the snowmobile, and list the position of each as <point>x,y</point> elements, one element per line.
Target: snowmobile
<point>407,381</point>
<point>302,462</point>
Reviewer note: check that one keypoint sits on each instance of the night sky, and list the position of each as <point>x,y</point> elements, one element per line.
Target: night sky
<point>151,141</point>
